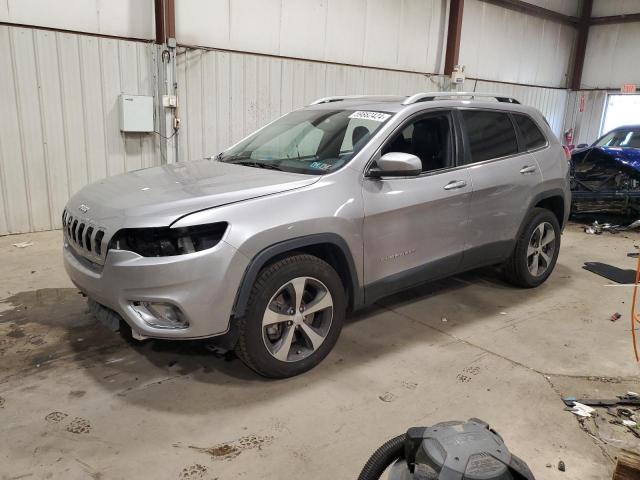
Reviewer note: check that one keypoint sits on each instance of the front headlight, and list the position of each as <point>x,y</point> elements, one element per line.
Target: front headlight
<point>165,241</point>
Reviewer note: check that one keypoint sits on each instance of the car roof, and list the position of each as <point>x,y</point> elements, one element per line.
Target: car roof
<point>427,100</point>
<point>626,127</point>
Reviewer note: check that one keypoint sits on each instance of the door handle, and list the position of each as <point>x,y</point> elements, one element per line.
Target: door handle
<point>527,169</point>
<point>455,184</point>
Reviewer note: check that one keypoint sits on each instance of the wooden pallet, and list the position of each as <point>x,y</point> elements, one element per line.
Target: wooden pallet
<point>627,467</point>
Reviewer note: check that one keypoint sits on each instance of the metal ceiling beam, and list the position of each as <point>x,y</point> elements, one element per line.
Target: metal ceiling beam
<point>630,17</point>
<point>534,10</point>
<point>454,32</point>
<point>581,45</point>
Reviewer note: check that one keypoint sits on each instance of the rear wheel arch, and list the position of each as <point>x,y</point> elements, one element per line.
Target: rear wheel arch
<point>555,204</point>
<point>329,247</point>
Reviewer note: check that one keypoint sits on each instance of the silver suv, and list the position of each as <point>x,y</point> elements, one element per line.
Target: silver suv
<point>265,247</point>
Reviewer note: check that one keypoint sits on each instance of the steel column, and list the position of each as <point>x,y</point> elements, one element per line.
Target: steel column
<point>454,32</point>
<point>581,45</point>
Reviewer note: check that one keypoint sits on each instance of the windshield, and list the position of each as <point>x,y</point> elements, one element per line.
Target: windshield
<point>620,138</point>
<point>308,141</point>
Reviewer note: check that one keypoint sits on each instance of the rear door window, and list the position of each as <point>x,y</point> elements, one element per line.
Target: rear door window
<point>531,134</point>
<point>490,134</point>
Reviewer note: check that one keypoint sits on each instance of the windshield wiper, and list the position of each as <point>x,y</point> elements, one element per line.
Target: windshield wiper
<point>253,163</point>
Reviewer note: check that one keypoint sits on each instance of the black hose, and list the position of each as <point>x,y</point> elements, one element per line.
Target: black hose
<point>382,458</point>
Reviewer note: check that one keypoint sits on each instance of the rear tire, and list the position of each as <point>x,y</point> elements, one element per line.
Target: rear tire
<point>294,317</point>
<point>536,250</point>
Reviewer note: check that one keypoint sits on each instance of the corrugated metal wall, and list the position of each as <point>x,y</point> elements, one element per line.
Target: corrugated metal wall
<point>399,34</point>
<point>586,124</point>
<point>59,127</point>
<point>611,56</point>
<point>224,96</point>
<point>504,45</point>
<point>125,18</point>
<point>602,8</point>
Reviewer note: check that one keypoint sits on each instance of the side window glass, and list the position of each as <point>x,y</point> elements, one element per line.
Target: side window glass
<point>533,137</point>
<point>490,134</point>
<point>429,139</point>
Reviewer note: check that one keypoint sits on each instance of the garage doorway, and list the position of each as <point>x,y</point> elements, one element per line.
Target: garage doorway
<point>621,109</point>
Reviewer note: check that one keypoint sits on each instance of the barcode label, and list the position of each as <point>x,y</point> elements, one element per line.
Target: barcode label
<point>375,116</point>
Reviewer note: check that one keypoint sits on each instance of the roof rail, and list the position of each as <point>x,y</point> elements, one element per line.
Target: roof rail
<point>339,98</point>
<point>428,96</point>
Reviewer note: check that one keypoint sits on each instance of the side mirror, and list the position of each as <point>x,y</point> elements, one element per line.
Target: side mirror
<point>582,145</point>
<point>396,164</point>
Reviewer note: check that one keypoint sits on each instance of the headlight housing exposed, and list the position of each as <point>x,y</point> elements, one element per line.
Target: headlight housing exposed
<point>165,241</point>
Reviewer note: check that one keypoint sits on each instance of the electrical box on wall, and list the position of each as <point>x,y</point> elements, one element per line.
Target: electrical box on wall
<point>136,113</point>
<point>457,76</point>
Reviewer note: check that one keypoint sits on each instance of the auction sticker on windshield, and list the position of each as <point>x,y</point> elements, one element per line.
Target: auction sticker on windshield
<point>375,116</point>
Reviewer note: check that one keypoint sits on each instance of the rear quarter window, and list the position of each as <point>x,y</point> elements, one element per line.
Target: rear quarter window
<point>490,134</point>
<point>531,134</point>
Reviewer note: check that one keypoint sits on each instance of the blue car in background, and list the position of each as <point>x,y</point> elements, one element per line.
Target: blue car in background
<point>605,177</point>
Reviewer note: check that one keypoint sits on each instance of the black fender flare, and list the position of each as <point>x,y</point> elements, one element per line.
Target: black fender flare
<point>554,192</point>
<point>261,259</point>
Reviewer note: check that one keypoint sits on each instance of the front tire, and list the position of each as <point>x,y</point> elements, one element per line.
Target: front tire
<point>536,250</point>
<point>294,317</point>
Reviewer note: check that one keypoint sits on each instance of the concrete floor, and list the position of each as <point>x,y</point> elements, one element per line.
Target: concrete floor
<point>77,401</point>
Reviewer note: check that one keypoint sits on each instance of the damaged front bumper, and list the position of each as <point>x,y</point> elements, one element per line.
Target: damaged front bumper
<point>201,286</point>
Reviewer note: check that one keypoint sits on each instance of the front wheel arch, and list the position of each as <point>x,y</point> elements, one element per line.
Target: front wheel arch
<point>329,247</point>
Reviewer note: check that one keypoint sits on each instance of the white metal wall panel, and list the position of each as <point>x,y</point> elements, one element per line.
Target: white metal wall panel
<point>586,124</point>
<point>350,20</point>
<point>504,45</point>
<point>59,126</point>
<point>611,55</point>
<point>225,96</point>
<point>126,18</point>
<point>398,34</point>
<point>603,8</point>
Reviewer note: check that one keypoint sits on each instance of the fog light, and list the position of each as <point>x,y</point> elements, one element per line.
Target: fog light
<point>160,315</point>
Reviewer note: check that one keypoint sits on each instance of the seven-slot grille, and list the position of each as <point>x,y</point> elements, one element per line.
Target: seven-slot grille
<point>85,237</point>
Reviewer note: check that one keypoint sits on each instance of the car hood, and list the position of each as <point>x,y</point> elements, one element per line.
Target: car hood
<point>627,159</point>
<point>627,156</point>
<point>160,195</point>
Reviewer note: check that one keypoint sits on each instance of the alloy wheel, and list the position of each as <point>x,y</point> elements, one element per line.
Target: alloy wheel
<point>297,319</point>
<point>541,249</point>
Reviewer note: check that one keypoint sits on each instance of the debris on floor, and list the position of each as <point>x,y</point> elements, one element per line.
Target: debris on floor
<point>561,466</point>
<point>613,425</point>
<point>597,228</point>
<point>615,316</point>
<point>582,410</point>
<point>22,244</point>
<point>629,398</point>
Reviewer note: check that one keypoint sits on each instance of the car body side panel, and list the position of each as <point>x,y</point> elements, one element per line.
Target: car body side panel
<point>500,199</point>
<point>413,222</point>
<point>332,205</point>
